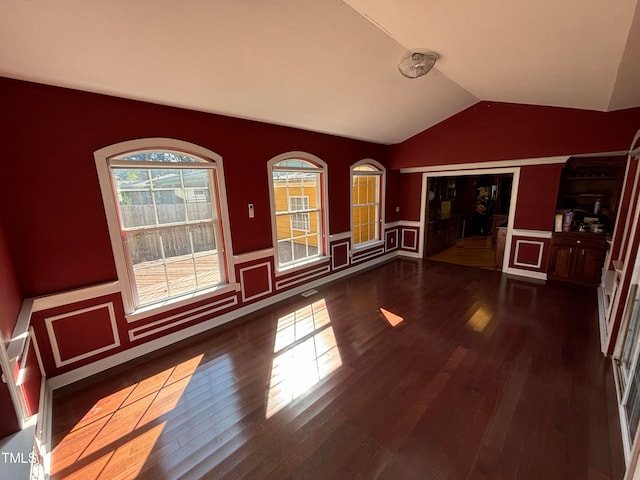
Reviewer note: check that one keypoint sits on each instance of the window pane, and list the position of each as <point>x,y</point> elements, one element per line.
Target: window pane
<point>195,178</point>
<point>295,164</point>
<point>168,222</point>
<point>297,234</point>
<point>170,206</point>
<point>366,211</point>
<point>174,261</point>
<point>164,157</point>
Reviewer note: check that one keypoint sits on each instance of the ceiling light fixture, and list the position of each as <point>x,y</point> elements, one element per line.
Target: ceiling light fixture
<point>417,64</point>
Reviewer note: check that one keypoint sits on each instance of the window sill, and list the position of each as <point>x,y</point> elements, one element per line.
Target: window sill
<point>302,266</point>
<point>367,245</point>
<point>178,302</point>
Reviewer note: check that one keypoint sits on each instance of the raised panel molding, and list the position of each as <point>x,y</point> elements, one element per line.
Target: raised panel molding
<point>337,245</point>
<point>302,277</point>
<point>516,255</point>
<point>413,234</point>
<point>259,293</point>
<point>181,318</point>
<point>59,357</point>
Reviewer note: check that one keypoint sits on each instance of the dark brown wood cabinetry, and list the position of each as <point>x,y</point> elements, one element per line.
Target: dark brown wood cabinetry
<point>577,257</point>
<point>442,234</point>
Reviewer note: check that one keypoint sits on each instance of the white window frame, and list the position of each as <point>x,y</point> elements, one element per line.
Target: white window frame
<point>120,252</point>
<point>323,247</point>
<point>303,217</point>
<point>381,172</point>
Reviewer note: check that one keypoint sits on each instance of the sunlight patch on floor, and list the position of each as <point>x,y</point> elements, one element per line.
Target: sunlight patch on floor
<point>393,319</point>
<point>480,319</point>
<point>121,429</point>
<point>306,352</point>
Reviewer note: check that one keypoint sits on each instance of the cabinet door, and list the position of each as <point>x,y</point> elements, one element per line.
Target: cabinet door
<point>435,237</point>
<point>560,261</point>
<point>588,266</point>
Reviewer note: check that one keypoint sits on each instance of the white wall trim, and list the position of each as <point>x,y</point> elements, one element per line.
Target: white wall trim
<point>182,301</point>
<point>518,232</point>
<point>530,242</point>
<point>122,357</point>
<point>403,223</point>
<point>54,343</point>
<point>480,167</point>
<point>515,184</point>
<point>21,330</point>
<point>339,236</point>
<point>43,432</point>
<point>258,295</point>
<point>166,323</point>
<point>72,296</point>
<point>368,254</point>
<point>254,255</point>
<point>526,273</point>
<point>303,276</point>
<point>405,253</point>
<point>14,392</point>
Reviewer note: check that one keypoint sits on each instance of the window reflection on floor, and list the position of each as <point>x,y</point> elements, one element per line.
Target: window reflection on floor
<point>306,352</point>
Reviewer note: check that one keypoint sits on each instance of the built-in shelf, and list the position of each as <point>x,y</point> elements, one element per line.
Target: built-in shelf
<point>592,183</point>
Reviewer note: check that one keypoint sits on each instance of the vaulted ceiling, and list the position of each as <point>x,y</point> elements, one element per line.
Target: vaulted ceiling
<point>330,65</point>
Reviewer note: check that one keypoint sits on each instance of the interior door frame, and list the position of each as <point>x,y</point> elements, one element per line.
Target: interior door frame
<point>456,171</point>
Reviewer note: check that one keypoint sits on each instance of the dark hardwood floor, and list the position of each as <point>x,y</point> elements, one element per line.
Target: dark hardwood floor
<point>483,376</point>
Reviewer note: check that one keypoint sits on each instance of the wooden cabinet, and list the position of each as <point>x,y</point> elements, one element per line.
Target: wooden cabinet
<point>442,234</point>
<point>577,257</point>
<point>436,236</point>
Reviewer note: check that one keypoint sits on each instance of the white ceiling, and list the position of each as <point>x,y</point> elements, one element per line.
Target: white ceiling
<point>327,65</point>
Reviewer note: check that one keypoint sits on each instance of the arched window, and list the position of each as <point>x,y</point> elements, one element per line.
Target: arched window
<point>163,204</point>
<point>367,192</point>
<point>298,211</point>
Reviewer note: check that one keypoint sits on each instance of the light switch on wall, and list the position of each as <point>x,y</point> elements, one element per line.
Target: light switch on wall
<point>251,211</point>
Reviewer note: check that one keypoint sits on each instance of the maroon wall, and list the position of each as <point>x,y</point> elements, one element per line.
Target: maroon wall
<point>537,196</point>
<point>10,298</point>
<point>505,131</point>
<point>52,205</point>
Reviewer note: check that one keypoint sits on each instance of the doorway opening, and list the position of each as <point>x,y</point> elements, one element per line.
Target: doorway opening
<point>467,218</point>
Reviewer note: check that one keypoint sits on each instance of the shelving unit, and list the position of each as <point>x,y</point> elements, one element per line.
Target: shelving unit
<point>586,180</point>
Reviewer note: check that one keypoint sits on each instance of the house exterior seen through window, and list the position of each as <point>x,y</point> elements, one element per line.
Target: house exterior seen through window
<point>297,188</point>
<point>366,212</point>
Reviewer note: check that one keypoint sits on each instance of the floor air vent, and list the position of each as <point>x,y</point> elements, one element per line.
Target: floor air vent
<point>308,293</point>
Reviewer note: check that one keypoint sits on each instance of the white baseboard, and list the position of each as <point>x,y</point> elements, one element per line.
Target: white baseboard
<point>602,319</point>
<point>526,273</point>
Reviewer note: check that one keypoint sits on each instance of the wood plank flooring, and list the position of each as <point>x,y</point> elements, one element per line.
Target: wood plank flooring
<point>484,376</point>
<point>476,251</point>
